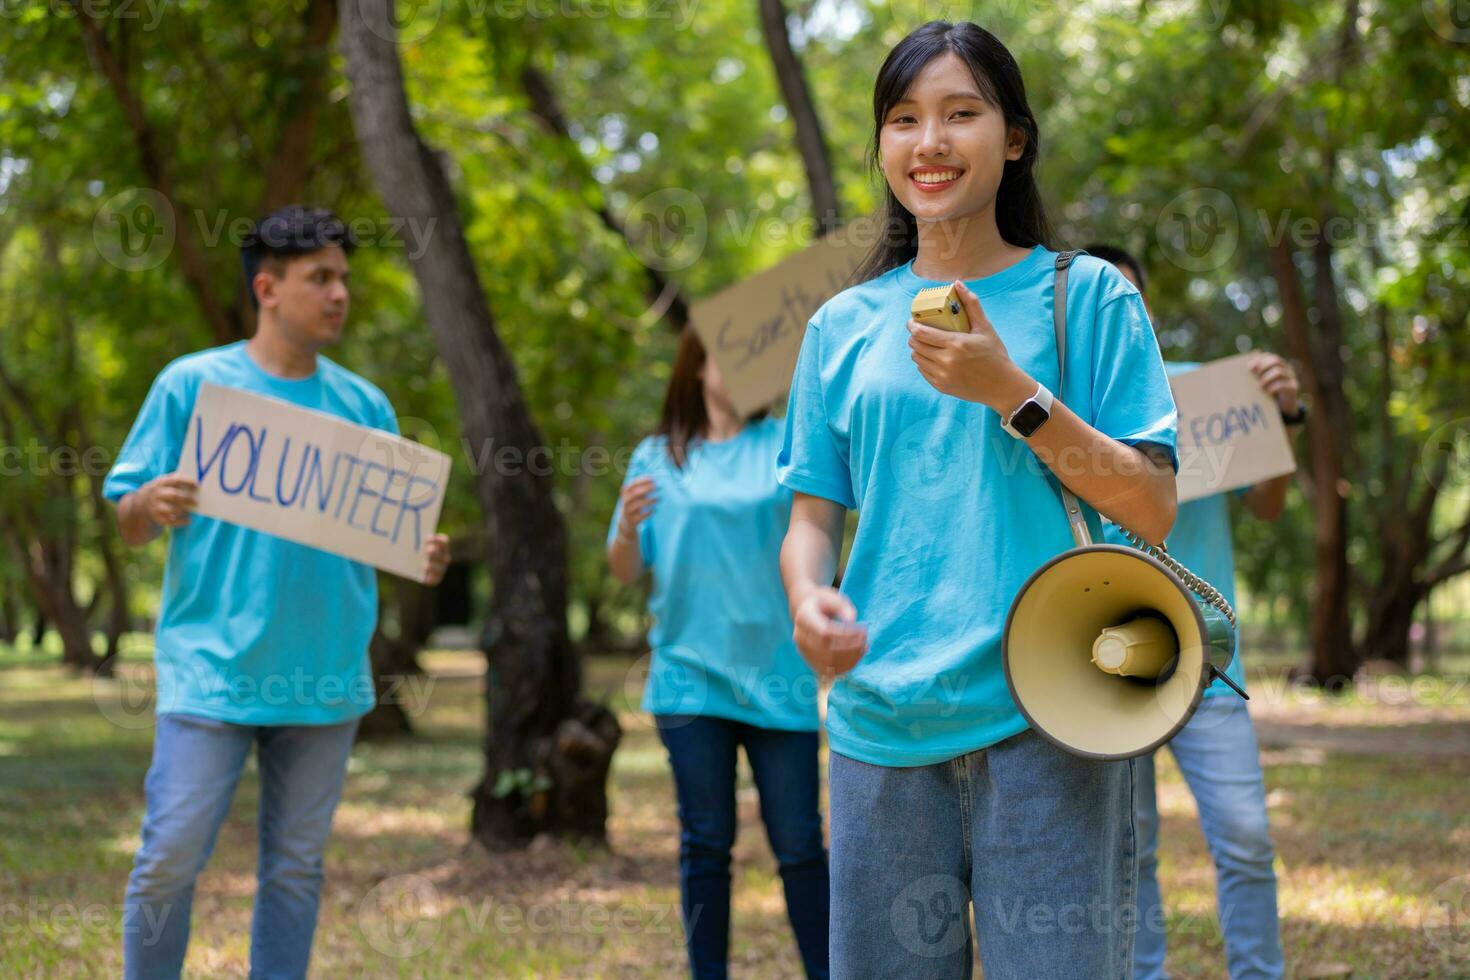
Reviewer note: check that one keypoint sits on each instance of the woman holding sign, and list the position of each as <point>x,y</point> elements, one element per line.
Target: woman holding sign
<point>948,442</point>
<point>700,508</point>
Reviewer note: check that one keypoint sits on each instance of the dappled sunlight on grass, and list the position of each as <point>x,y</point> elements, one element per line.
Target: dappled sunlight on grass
<point>1363,842</point>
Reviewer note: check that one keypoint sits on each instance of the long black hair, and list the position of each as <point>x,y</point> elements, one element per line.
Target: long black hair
<point>1019,213</point>
<point>684,418</point>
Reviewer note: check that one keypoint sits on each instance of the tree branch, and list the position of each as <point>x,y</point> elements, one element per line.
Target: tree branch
<point>223,321</point>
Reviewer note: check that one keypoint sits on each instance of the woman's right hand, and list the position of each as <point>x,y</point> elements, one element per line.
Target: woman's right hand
<point>827,633</point>
<point>638,498</point>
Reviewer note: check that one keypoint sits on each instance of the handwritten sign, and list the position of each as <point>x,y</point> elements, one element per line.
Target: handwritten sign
<point>753,329</point>
<point>1230,431</point>
<point>313,478</point>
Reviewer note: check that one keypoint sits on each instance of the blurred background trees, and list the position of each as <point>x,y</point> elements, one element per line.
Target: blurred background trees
<point>1295,177</point>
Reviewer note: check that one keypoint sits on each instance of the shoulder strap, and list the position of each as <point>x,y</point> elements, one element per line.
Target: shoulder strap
<point>1075,517</point>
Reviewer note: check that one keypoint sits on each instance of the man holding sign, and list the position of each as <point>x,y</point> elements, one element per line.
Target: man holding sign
<point>262,641</point>
<point>1216,750</point>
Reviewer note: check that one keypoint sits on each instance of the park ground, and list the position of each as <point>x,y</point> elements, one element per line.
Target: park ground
<point>1368,794</point>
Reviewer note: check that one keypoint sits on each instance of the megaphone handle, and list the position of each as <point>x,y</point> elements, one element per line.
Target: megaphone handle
<point>1217,672</point>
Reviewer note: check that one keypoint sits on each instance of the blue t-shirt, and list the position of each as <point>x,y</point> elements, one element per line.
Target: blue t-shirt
<point>1201,541</point>
<point>254,629</point>
<point>721,636</point>
<point>955,512</point>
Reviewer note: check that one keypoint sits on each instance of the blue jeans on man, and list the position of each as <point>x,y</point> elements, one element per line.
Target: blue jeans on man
<point>1039,842</point>
<point>1219,758</point>
<point>702,751</point>
<point>196,766</point>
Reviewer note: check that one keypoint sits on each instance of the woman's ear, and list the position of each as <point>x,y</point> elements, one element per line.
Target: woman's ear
<point>1015,143</point>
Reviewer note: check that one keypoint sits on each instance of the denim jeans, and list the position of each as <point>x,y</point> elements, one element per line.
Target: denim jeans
<point>196,765</point>
<point>1217,753</point>
<point>1039,842</point>
<point>784,764</point>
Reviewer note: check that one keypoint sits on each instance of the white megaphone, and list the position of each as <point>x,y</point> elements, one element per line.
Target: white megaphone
<point>1107,652</point>
<point>1108,649</point>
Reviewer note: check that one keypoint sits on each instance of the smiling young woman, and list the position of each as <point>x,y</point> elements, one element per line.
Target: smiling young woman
<point>941,798</point>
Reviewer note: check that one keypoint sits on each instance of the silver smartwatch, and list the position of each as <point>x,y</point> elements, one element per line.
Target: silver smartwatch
<point>1032,415</point>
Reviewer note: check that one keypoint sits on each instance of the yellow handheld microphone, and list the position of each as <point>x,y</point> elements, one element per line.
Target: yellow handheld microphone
<point>940,306</point>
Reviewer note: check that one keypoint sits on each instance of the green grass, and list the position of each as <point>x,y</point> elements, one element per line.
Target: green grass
<point>1364,841</point>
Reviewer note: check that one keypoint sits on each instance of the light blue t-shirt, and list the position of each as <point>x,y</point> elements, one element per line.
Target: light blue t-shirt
<point>1201,541</point>
<point>955,512</point>
<point>721,636</point>
<point>254,629</point>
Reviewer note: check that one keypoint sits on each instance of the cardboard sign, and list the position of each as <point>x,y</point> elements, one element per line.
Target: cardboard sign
<point>313,478</point>
<point>1230,431</point>
<point>753,329</point>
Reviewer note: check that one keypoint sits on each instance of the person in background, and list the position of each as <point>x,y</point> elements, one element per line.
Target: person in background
<point>1216,750</point>
<point>700,508</point>
<point>262,642</point>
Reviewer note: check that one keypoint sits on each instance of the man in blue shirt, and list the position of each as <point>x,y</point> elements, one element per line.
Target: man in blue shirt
<point>1216,751</point>
<point>261,641</point>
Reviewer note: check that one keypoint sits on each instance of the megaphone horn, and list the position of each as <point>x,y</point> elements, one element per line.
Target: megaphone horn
<point>1107,649</point>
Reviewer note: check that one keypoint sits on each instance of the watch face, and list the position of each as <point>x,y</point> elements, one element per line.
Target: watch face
<point>1028,418</point>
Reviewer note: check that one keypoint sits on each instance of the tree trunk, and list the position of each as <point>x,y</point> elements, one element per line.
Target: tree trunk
<point>547,750</point>
<point>810,140</point>
<point>394,654</point>
<point>9,622</point>
<point>56,603</point>
<point>1390,619</point>
<point>1333,660</point>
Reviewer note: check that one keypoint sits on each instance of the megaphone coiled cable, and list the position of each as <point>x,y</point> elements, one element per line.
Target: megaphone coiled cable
<point>1191,581</point>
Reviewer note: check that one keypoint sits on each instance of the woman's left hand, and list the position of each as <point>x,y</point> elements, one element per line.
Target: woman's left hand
<point>974,366</point>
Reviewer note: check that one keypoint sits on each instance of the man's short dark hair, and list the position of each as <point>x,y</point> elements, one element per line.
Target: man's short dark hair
<point>287,233</point>
<point>1120,257</point>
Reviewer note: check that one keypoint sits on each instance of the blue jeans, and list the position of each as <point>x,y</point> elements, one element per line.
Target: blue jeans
<point>1217,753</point>
<point>702,753</point>
<point>1038,841</point>
<point>196,765</point>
